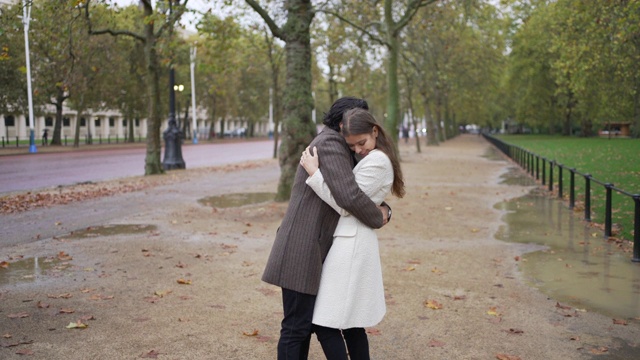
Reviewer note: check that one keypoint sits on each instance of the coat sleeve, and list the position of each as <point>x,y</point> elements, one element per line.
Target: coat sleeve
<point>319,186</point>
<point>368,177</point>
<point>335,164</point>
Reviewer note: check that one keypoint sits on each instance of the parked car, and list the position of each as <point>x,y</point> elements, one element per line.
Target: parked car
<point>239,132</point>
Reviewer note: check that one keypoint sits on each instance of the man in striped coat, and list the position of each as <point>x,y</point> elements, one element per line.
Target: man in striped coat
<point>306,233</point>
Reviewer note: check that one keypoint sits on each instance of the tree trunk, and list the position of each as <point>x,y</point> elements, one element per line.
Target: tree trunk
<point>153,164</point>
<point>132,137</point>
<point>298,129</point>
<point>56,139</point>
<point>76,136</point>
<point>393,97</point>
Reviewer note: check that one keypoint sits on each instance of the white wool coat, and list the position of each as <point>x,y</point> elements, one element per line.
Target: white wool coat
<point>351,292</point>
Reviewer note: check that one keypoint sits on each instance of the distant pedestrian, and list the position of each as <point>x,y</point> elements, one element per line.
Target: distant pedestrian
<point>45,136</point>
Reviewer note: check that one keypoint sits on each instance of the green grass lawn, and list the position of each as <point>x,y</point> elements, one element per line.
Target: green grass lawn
<point>614,161</point>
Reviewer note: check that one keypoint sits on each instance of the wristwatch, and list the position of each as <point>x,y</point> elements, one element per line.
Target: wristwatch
<point>389,214</point>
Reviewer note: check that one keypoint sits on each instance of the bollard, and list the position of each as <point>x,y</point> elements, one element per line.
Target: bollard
<point>17,141</point>
<point>587,197</point>
<point>65,140</point>
<point>636,230</point>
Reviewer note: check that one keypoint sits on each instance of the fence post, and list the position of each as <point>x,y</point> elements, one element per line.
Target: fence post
<point>587,197</point>
<point>607,211</point>
<point>572,188</point>
<point>544,167</point>
<point>537,167</point>
<point>636,230</point>
<point>551,164</point>
<point>560,181</point>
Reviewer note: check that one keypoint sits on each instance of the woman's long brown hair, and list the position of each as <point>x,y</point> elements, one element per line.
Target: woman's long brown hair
<point>359,121</point>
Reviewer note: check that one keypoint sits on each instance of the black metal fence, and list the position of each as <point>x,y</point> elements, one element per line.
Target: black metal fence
<point>537,167</point>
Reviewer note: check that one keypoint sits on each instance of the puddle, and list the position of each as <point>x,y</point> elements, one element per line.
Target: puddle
<point>579,267</point>
<point>516,176</point>
<point>30,270</point>
<point>236,200</point>
<point>107,230</point>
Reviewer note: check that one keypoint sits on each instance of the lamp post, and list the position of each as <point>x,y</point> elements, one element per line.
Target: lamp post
<point>172,136</point>
<point>26,18</point>
<point>193,94</point>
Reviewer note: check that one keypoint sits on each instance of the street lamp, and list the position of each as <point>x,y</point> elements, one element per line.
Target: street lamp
<point>26,18</point>
<point>192,67</point>
<point>172,136</point>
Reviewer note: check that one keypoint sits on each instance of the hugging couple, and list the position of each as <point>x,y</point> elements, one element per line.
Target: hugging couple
<point>325,255</point>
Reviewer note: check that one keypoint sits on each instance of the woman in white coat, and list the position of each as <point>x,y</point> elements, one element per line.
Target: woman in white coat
<point>351,294</point>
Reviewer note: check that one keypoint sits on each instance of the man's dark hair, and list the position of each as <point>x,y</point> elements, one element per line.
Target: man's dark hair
<point>333,118</point>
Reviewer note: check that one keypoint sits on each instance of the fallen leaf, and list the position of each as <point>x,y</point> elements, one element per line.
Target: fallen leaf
<point>619,322</point>
<point>7,336</point>
<point>184,282</point>
<point>564,307</point>
<point>162,293</point>
<point>255,332</point>
<point>66,311</point>
<point>77,325</point>
<point>150,355</point>
<point>4,264</point>
<point>600,350</point>
<point>18,315</point>
<point>492,311</point>
<point>61,296</point>
<point>24,352</point>
<point>432,304</point>
<point>64,256</point>
<point>507,357</point>
<point>459,297</point>
<point>409,268</point>
<point>42,305</point>
<point>514,331</point>
<point>374,331</point>
<point>435,343</point>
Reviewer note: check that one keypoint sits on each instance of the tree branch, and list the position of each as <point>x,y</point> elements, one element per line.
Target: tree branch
<point>412,10</point>
<point>109,31</point>
<point>275,30</point>
<point>356,26</point>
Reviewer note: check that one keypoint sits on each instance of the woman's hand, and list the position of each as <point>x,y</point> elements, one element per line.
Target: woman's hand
<point>308,161</point>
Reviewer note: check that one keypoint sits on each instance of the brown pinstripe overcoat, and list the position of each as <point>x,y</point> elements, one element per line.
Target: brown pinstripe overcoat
<point>306,232</point>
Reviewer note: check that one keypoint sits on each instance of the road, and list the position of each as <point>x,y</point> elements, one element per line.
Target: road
<point>42,170</point>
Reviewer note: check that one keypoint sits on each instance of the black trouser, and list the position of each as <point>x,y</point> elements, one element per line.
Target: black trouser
<point>295,334</point>
<point>332,342</point>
